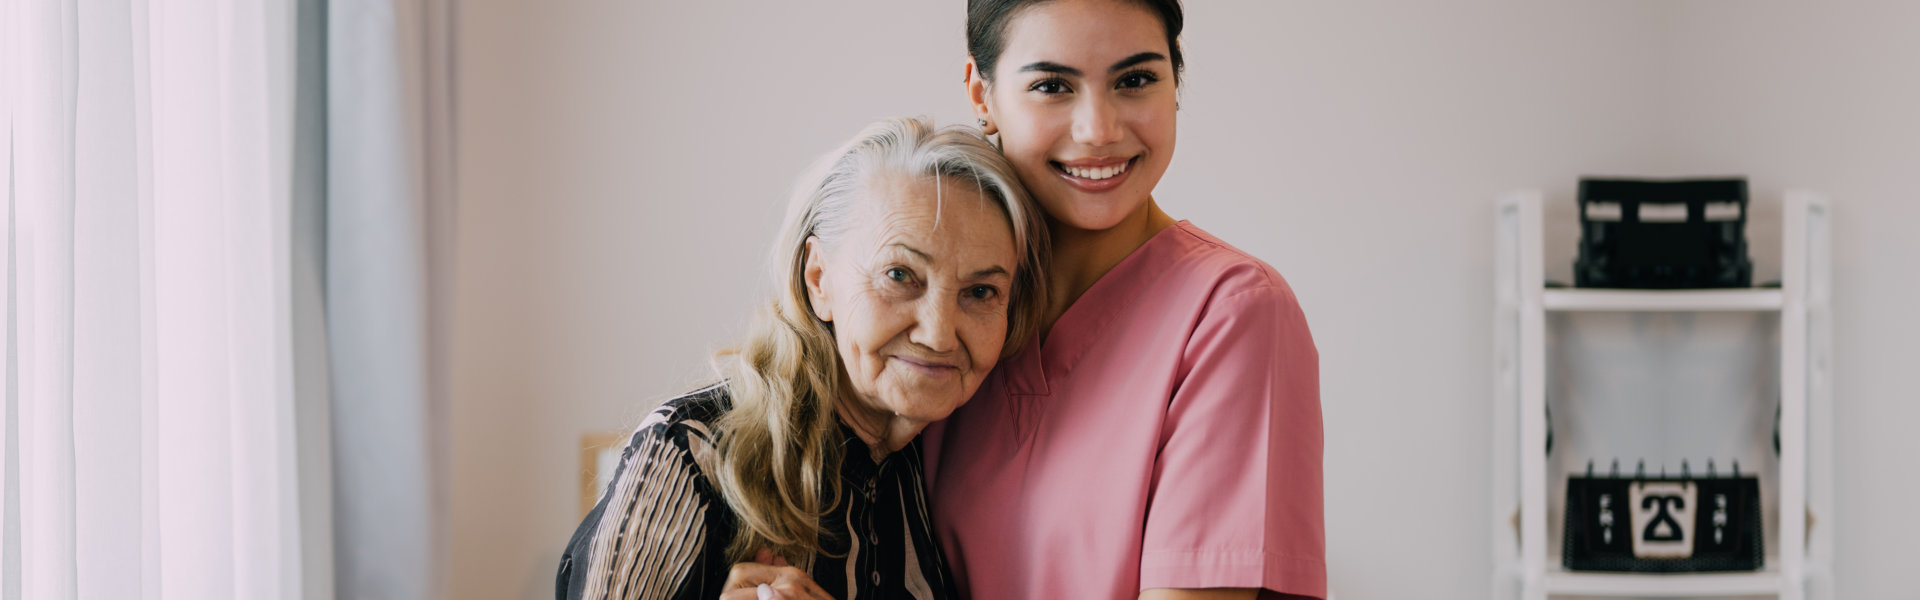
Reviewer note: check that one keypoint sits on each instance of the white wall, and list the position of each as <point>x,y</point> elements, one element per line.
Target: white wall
<point>1826,96</point>
<point>623,164</point>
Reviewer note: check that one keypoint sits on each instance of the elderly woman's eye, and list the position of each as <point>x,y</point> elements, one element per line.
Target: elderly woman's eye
<point>982,292</point>
<point>898,275</point>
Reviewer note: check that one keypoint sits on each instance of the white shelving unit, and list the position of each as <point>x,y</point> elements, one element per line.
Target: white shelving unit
<point>1662,300</point>
<point>1799,538</point>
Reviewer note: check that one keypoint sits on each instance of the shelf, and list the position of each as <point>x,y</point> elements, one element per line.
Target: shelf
<point>1662,300</point>
<point>1792,359</point>
<point>1663,585</point>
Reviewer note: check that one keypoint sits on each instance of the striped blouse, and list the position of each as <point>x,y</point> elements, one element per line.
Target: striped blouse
<point>661,529</point>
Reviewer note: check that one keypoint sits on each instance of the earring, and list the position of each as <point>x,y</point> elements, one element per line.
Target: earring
<point>983,122</point>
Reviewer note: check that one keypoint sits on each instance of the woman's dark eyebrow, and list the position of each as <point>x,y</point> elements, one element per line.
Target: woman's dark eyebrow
<point>1051,67</point>
<point>1054,67</point>
<point>1134,60</point>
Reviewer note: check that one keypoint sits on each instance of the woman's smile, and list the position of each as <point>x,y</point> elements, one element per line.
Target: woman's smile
<point>1094,175</point>
<point>929,368</point>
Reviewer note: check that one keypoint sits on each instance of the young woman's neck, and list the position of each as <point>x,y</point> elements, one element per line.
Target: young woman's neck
<point>1082,256</point>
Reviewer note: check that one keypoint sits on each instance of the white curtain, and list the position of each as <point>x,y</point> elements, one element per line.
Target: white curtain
<point>390,117</point>
<point>150,437</point>
<point>224,232</point>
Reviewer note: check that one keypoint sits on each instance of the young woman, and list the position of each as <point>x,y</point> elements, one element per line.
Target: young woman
<point>1161,437</point>
<point>908,265</point>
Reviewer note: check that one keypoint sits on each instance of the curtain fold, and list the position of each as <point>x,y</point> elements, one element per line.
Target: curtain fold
<point>41,351</point>
<point>312,394</point>
<point>224,242</point>
<point>150,432</point>
<point>389,226</point>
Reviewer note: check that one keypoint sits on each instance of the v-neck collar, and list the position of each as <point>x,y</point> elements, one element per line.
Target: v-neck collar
<point>1087,320</point>
<point>856,457</point>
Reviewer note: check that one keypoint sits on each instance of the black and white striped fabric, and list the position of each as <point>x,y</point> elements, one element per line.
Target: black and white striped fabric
<point>661,529</point>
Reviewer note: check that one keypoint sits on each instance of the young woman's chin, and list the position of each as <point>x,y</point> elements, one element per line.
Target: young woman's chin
<point>1094,212</point>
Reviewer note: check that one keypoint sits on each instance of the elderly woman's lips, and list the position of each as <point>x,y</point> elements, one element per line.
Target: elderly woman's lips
<point>928,368</point>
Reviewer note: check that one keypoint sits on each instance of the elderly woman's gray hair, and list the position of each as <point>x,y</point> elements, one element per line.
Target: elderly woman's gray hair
<point>784,376</point>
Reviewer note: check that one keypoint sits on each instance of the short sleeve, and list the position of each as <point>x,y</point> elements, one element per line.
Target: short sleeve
<point>643,539</point>
<point>1237,489</point>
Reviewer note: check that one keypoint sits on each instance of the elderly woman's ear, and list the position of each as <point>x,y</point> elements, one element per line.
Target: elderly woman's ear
<point>816,270</point>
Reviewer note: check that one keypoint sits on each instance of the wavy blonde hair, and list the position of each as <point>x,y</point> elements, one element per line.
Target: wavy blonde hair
<point>779,446</point>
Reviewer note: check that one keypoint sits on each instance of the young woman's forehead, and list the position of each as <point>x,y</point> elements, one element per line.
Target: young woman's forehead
<point>1089,31</point>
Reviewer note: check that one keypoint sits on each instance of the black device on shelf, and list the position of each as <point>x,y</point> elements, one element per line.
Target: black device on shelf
<point>1655,234</point>
<point>1663,524</point>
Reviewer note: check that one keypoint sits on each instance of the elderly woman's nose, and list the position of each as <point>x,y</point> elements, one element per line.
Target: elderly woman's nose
<point>937,319</point>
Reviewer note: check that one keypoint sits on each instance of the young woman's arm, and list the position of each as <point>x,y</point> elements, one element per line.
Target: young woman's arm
<point>1237,483</point>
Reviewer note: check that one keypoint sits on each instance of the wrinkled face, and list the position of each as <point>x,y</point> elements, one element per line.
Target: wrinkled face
<point>916,290</point>
<point>1083,98</point>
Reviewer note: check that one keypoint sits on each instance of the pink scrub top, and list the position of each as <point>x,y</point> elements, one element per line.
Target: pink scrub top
<point>1166,434</point>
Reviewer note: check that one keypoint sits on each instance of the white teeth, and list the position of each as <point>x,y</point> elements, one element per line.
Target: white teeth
<point>1097,174</point>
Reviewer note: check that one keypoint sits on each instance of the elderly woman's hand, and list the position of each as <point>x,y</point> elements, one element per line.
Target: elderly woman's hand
<point>782,581</point>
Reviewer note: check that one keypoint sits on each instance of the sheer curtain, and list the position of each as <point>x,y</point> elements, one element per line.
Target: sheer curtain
<point>218,348</point>
<point>390,118</point>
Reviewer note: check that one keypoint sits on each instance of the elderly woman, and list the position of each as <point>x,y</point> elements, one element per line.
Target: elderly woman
<point>909,263</point>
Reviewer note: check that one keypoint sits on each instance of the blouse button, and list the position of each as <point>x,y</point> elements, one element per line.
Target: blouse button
<point>876,578</point>
<point>874,537</point>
